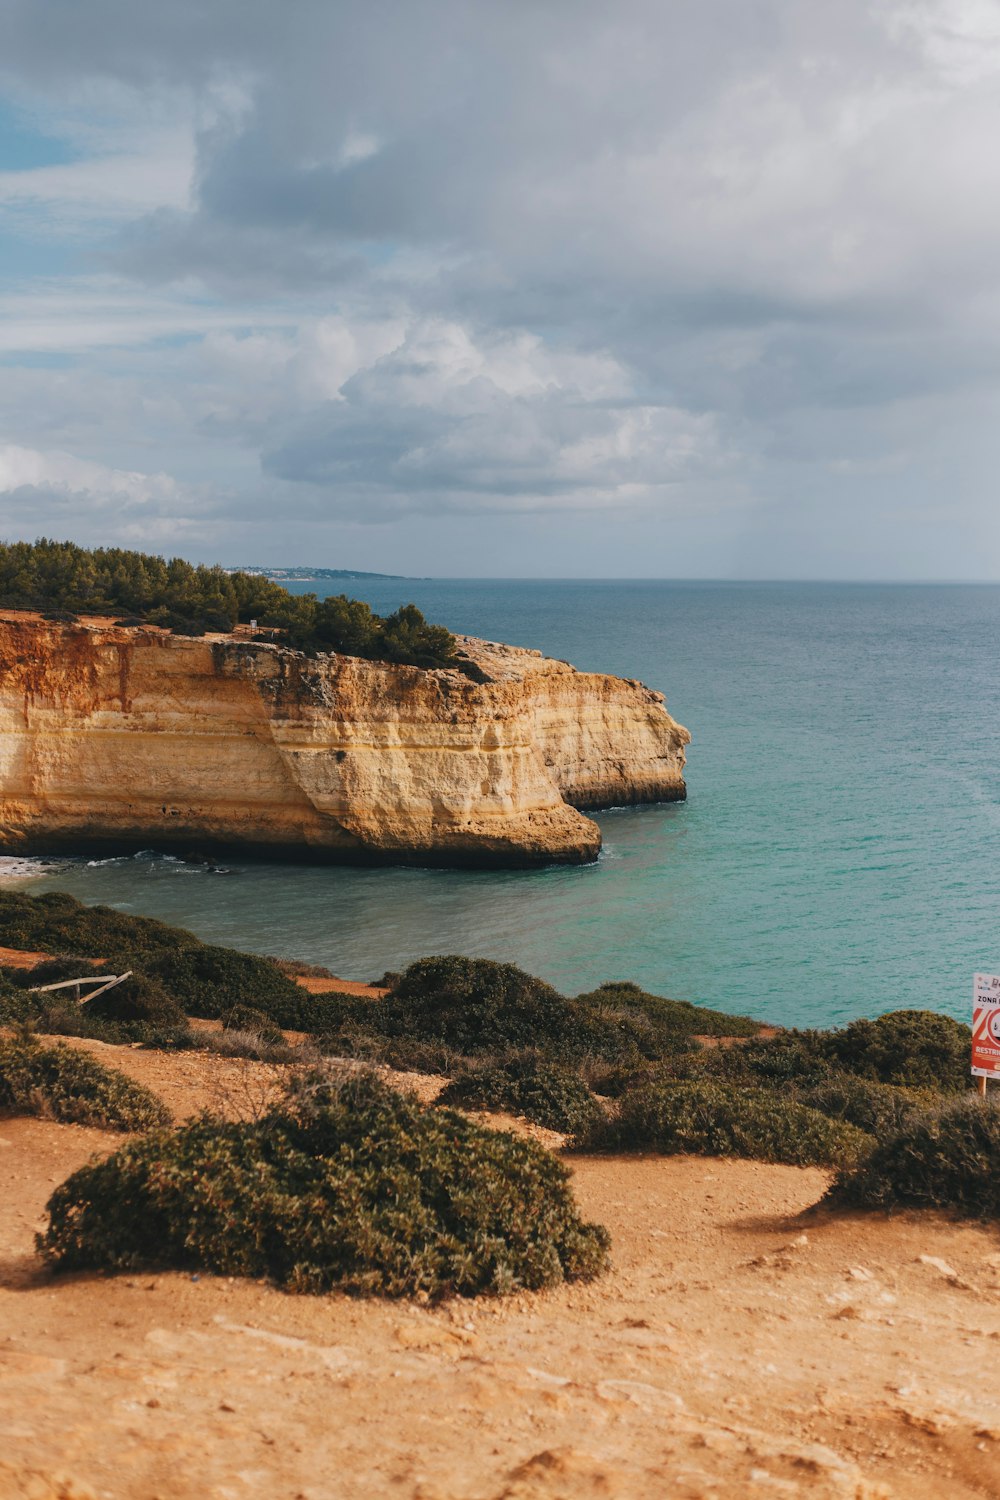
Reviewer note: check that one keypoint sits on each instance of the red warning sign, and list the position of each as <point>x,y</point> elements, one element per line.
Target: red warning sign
<point>986,1026</point>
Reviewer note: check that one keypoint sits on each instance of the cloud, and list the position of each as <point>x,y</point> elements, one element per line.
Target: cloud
<point>115,185</point>
<point>26,467</point>
<point>42,491</point>
<point>447,422</point>
<point>468,260</point>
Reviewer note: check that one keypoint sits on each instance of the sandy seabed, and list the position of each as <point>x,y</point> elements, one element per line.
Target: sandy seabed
<point>740,1347</point>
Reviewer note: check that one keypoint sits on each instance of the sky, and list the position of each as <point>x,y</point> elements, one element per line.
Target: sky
<point>664,288</point>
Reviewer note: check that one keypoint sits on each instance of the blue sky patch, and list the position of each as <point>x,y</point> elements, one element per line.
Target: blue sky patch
<point>24,147</point>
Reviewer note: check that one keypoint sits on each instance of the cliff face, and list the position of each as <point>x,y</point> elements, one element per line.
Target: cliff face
<point>118,739</point>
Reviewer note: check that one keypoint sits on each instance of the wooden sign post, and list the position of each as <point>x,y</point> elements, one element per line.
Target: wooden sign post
<point>985,1028</point>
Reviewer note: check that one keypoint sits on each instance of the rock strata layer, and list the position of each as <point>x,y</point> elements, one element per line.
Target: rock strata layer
<point>113,739</point>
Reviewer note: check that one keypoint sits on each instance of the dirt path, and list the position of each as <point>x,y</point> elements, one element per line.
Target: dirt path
<point>334,986</point>
<point>735,1350</point>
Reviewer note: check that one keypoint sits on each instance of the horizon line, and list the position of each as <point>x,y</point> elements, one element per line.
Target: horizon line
<point>641,578</point>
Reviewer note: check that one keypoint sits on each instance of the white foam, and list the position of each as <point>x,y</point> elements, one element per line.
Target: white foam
<point>18,867</point>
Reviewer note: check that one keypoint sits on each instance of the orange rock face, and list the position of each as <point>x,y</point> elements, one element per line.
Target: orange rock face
<point>115,739</point>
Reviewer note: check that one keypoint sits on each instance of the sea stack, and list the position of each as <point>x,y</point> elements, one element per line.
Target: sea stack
<point>114,739</point>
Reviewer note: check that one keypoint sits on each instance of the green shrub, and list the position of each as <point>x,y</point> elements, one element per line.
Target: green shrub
<point>913,1048</point>
<point>705,1119</point>
<point>60,1014</point>
<point>788,1059</point>
<point>946,1158</point>
<point>202,979</point>
<point>51,971</point>
<point>349,626</point>
<point>904,1049</point>
<point>177,623</point>
<point>349,1186</point>
<point>473,1005</point>
<point>406,1054</point>
<point>61,1083</point>
<point>622,1024</point>
<point>138,998</point>
<point>248,1044</point>
<point>525,1083</point>
<point>444,1013</point>
<point>256,1022</point>
<point>207,981</point>
<point>663,1025</point>
<point>140,1002</point>
<point>878,1108</point>
<point>58,923</point>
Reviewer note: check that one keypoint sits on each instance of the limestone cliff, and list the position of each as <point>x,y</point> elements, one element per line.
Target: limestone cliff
<point>117,739</point>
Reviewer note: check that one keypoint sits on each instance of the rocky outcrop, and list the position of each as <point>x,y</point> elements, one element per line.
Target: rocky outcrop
<point>114,739</point>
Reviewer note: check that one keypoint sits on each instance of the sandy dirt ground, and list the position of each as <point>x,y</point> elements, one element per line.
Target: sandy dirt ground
<point>338,987</point>
<point>23,958</point>
<point>740,1347</point>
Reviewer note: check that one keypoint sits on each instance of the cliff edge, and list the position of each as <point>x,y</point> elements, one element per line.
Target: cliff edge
<point>114,739</point>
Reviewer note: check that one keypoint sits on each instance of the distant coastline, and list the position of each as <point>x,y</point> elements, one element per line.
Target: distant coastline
<point>312,575</point>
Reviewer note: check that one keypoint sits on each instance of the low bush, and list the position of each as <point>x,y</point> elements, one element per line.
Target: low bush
<point>255,1022</point>
<point>177,623</point>
<point>625,1027</point>
<point>298,969</point>
<point>405,1054</point>
<point>349,1185</point>
<point>448,1013</point>
<point>138,998</point>
<point>248,1044</point>
<point>202,979</point>
<point>208,981</point>
<point>53,970</point>
<point>912,1048</point>
<point>58,923</point>
<point>790,1059</point>
<point>611,1080</point>
<point>904,1049</point>
<point>473,1005</point>
<point>944,1158</point>
<point>705,1119</point>
<point>60,1014</point>
<point>61,1083</point>
<point>878,1108</point>
<point>661,1025</point>
<point>525,1083</point>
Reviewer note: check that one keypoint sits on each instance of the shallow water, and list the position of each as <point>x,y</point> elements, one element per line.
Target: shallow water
<point>835,856</point>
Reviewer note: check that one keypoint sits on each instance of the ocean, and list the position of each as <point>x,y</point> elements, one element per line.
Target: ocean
<point>835,857</point>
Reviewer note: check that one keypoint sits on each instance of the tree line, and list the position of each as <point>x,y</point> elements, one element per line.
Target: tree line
<point>61,579</point>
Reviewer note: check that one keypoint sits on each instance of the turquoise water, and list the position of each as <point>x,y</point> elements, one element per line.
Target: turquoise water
<point>837,855</point>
